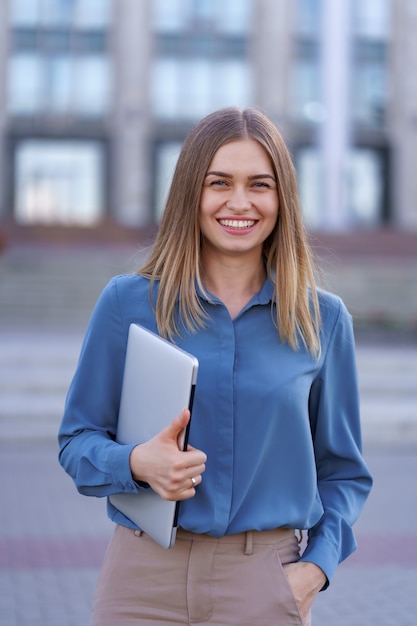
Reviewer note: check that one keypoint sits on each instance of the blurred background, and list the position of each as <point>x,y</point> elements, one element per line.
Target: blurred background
<point>96,98</point>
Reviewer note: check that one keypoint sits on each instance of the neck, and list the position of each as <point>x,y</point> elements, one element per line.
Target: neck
<point>233,280</point>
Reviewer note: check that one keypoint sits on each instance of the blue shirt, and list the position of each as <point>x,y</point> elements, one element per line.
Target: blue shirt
<point>280,428</point>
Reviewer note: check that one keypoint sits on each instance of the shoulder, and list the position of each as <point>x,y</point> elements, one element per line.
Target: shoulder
<point>124,284</point>
<point>125,294</point>
<point>332,310</point>
<point>337,333</point>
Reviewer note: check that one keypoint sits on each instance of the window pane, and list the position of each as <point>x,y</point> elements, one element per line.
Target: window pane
<point>58,182</point>
<point>365,187</point>
<point>91,92</point>
<point>309,171</point>
<point>170,15</point>
<point>58,82</point>
<point>195,99</point>
<point>372,18</point>
<point>233,84</point>
<point>232,16</point>
<point>24,12</point>
<point>56,12</point>
<point>235,16</point>
<point>94,14</point>
<point>82,13</point>
<point>164,92</point>
<point>25,84</point>
<point>307,17</point>
<point>191,89</point>
<point>369,93</point>
<point>306,96</point>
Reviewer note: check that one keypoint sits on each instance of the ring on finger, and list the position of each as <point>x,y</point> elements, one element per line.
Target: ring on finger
<point>194,481</point>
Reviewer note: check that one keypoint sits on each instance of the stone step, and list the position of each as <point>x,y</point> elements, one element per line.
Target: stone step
<point>56,287</point>
<point>52,285</point>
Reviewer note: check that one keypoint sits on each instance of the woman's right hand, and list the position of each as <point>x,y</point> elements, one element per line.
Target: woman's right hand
<point>163,464</point>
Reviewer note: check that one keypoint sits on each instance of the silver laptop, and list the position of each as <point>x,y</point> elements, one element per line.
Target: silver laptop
<point>159,382</point>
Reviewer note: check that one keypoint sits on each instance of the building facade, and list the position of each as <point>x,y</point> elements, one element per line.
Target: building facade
<point>96,97</point>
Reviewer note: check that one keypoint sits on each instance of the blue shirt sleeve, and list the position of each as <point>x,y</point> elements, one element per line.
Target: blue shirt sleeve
<point>88,452</point>
<point>342,476</point>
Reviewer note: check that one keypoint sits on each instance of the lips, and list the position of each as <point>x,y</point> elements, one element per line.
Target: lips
<point>237,224</point>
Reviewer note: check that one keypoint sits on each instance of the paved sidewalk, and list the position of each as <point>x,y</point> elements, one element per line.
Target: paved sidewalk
<point>52,541</point>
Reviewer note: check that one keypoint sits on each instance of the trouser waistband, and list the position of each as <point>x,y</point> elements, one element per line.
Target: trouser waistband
<point>246,539</point>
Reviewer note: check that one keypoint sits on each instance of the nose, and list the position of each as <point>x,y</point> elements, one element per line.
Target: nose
<point>238,200</point>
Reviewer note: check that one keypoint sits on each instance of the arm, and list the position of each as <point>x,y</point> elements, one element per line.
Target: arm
<point>342,476</point>
<point>343,479</point>
<point>88,451</point>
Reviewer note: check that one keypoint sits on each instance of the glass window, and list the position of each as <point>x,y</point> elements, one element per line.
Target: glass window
<point>307,16</point>
<point>231,84</point>
<point>165,94</point>
<point>235,16</point>
<point>25,84</point>
<point>371,18</point>
<point>56,12</point>
<point>58,182</point>
<point>94,14</point>
<point>191,89</point>
<point>365,187</point>
<point>91,86</point>
<point>178,15</point>
<point>369,93</point>
<point>24,13</point>
<point>309,171</point>
<point>305,89</point>
<point>57,84</point>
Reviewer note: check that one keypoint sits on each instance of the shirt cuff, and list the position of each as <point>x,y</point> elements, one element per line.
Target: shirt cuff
<point>119,461</point>
<point>323,554</point>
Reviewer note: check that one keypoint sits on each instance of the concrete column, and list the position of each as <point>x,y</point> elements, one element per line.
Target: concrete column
<point>403,114</point>
<point>271,50</point>
<point>130,127</point>
<point>4,45</point>
<point>335,129</point>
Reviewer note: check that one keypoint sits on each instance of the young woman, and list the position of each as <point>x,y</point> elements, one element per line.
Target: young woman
<point>275,437</point>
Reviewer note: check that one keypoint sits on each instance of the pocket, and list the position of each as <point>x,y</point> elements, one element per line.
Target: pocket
<point>286,592</point>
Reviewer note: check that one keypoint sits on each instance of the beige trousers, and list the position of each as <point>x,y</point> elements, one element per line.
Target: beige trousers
<point>236,580</point>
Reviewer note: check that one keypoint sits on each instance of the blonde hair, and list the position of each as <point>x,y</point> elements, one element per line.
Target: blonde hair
<point>175,257</point>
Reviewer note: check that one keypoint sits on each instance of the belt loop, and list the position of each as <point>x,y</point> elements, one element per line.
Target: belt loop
<point>248,542</point>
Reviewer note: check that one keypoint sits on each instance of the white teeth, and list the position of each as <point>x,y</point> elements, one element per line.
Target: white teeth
<point>237,223</point>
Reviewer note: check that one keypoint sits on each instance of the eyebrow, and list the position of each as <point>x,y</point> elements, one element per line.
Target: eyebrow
<point>254,177</point>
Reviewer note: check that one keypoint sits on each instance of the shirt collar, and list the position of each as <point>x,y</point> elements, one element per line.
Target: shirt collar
<point>264,296</point>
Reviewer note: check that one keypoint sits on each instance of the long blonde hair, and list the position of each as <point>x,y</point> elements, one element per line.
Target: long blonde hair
<point>175,257</point>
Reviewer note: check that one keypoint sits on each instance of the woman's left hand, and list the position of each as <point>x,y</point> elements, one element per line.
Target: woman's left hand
<point>305,579</point>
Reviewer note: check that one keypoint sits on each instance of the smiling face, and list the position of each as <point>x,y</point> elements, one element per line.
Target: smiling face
<point>239,200</point>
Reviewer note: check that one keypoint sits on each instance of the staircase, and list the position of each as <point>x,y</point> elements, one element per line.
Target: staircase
<point>47,288</point>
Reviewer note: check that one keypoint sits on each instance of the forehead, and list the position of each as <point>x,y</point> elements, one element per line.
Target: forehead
<point>244,153</point>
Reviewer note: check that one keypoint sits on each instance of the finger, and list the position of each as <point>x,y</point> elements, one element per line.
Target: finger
<point>194,481</point>
<point>176,427</point>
